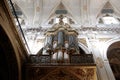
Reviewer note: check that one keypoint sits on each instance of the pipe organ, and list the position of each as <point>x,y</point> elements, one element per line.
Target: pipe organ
<point>61,57</point>
<point>60,42</point>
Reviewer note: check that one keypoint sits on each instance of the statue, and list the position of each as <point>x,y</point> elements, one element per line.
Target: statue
<point>61,20</point>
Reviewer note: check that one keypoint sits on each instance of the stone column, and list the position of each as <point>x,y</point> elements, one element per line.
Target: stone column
<point>109,70</point>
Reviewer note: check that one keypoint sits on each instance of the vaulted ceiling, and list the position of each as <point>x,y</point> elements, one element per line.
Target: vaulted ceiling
<point>35,16</point>
<point>37,13</point>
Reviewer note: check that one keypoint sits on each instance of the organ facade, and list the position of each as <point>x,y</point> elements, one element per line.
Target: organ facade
<point>61,58</point>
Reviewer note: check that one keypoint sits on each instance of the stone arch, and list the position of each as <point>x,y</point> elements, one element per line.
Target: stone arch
<point>113,55</point>
<point>104,50</point>
<point>84,48</point>
<point>107,45</point>
<point>9,66</point>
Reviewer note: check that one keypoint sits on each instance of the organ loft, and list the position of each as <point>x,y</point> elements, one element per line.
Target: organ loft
<point>61,58</point>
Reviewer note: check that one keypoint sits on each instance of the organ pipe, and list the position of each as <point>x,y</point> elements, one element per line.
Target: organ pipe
<point>61,41</point>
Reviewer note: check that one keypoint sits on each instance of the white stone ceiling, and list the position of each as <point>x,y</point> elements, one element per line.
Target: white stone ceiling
<point>83,12</point>
<point>36,15</point>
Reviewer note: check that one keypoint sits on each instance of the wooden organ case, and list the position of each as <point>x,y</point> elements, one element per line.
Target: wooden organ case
<point>60,58</point>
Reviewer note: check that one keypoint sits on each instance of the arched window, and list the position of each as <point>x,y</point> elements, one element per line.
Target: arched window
<point>108,20</point>
<point>65,20</point>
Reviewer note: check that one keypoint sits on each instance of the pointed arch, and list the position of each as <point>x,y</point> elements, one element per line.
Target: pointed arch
<point>73,11</point>
<point>107,5</point>
<point>49,11</point>
<point>116,6</point>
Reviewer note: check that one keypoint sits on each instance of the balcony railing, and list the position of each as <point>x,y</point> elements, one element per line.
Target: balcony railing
<point>82,59</point>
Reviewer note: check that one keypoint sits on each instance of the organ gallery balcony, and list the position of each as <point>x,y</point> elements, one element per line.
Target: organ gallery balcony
<point>79,67</point>
<point>61,58</point>
<point>45,60</point>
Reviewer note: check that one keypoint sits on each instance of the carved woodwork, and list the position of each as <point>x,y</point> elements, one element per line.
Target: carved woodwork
<point>60,72</point>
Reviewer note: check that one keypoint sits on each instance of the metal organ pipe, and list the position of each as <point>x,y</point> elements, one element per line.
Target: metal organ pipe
<point>50,39</point>
<point>55,41</point>
<point>60,38</point>
<point>60,55</point>
<point>71,39</point>
<point>45,43</point>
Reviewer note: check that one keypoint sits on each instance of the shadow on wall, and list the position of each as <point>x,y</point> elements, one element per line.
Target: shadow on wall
<point>8,61</point>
